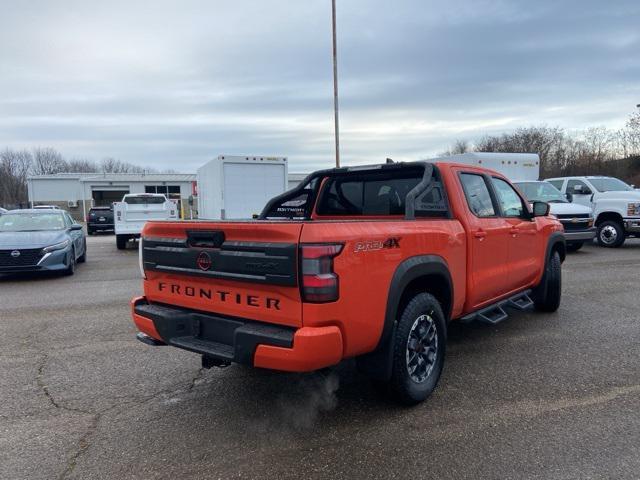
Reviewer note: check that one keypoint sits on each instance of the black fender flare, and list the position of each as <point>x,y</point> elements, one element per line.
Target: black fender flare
<point>378,363</point>
<point>556,241</point>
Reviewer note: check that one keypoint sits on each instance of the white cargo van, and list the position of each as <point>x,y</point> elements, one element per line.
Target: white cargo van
<point>135,209</point>
<point>523,169</point>
<point>238,187</point>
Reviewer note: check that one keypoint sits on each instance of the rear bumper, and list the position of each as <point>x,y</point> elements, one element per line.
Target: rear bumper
<point>100,226</point>
<point>249,342</point>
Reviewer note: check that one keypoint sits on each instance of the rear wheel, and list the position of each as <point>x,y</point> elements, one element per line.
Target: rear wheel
<point>574,246</point>
<point>121,241</point>
<point>418,350</point>
<point>610,234</point>
<point>547,294</point>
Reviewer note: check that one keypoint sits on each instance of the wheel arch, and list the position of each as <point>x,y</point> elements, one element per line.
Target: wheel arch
<point>556,243</point>
<point>609,215</point>
<point>422,273</point>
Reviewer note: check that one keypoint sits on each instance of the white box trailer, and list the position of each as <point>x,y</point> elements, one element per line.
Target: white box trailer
<point>238,187</point>
<point>514,166</point>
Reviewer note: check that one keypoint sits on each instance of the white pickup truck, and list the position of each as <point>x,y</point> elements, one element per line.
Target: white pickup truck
<point>135,209</point>
<point>616,205</point>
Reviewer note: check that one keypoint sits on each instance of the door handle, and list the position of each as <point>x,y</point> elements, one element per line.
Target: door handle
<point>480,234</point>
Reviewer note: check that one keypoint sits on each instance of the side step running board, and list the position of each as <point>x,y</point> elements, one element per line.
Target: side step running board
<point>496,313</point>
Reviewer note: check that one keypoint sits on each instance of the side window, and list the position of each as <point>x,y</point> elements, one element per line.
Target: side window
<point>556,183</point>
<point>510,201</point>
<point>477,193</point>
<point>572,184</point>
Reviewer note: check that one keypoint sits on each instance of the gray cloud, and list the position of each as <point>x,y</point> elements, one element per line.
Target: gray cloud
<point>172,84</point>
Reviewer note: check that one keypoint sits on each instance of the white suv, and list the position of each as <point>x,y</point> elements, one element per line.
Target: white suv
<point>616,205</point>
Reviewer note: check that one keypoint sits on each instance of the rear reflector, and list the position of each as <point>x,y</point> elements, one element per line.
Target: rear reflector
<point>319,281</point>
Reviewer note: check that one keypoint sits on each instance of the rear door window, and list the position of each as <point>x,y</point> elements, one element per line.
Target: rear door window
<point>477,194</point>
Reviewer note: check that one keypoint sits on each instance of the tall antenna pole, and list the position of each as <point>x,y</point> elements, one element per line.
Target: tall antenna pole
<point>335,84</point>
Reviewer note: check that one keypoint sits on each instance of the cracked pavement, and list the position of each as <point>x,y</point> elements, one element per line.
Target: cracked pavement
<point>538,396</point>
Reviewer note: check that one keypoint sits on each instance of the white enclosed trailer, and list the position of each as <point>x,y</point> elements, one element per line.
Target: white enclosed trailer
<point>514,166</point>
<point>238,187</point>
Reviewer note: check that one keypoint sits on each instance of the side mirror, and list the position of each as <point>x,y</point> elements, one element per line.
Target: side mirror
<point>76,226</point>
<point>540,209</point>
<point>569,196</point>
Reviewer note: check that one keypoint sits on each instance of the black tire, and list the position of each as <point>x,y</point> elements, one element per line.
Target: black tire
<point>121,241</point>
<point>548,293</point>
<point>71,268</point>
<point>90,231</point>
<point>413,384</point>
<point>611,234</point>
<point>83,258</point>
<point>574,246</point>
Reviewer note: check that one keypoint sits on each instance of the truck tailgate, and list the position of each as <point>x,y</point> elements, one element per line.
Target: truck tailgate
<point>238,269</point>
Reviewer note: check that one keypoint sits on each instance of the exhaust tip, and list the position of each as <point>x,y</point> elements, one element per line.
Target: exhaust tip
<point>146,339</point>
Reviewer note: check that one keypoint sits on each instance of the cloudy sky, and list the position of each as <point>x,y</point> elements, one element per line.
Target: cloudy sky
<point>173,84</point>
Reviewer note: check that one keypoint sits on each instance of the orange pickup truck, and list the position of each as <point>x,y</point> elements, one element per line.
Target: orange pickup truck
<point>370,262</point>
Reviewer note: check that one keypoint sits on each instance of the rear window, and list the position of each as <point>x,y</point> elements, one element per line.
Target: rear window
<point>371,194</point>
<point>144,200</point>
<point>381,194</point>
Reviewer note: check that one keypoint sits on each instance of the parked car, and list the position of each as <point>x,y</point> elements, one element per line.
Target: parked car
<point>40,240</point>
<point>137,208</point>
<point>99,219</point>
<point>369,262</point>
<point>616,205</point>
<point>576,219</point>
<point>46,207</point>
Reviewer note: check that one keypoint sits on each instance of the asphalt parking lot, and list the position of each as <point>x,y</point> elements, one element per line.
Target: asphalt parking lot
<point>538,396</point>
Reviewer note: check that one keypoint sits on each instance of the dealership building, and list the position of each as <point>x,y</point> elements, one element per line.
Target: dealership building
<point>78,192</point>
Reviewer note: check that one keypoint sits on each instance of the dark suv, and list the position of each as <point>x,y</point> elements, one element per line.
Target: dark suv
<point>99,219</point>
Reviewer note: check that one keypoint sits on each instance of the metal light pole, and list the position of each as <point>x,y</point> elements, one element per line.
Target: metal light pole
<point>335,84</point>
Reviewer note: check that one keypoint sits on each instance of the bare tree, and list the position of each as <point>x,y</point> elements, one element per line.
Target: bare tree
<point>47,161</point>
<point>14,169</point>
<point>82,165</point>
<point>112,165</point>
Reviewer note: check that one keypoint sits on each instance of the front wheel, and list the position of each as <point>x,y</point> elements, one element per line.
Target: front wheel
<point>610,234</point>
<point>418,349</point>
<point>546,296</point>
<point>83,258</point>
<point>71,268</point>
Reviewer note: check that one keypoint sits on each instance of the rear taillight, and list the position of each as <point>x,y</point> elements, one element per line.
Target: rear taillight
<point>140,258</point>
<point>319,281</point>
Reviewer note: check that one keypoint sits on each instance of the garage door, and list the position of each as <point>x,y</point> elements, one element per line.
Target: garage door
<point>248,187</point>
<point>104,198</point>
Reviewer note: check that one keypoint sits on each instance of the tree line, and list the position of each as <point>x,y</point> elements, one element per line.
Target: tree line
<point>594,151</point>
<point>17,165</point>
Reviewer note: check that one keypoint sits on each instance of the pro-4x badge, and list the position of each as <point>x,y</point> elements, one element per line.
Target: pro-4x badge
<point>368,245</point>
